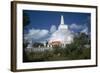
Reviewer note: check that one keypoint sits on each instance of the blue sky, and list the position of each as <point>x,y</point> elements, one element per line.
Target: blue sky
<point>44,20</point>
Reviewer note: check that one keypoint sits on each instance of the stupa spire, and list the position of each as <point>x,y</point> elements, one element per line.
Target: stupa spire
<point>62,26</point>
<point>62,20</point>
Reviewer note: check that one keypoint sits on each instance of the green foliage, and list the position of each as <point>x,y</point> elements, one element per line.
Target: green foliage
<point>26,19</point>
<point>73,51</point>
<point>36,44</point>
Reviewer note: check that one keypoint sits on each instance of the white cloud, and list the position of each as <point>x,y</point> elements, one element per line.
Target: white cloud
<point>75,26</point>
<point>53,29</point>
<point>36,34</point>
<point>64,36</point>
<point>85,30</point>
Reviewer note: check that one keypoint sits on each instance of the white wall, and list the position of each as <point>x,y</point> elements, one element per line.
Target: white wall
<point>5,37</point>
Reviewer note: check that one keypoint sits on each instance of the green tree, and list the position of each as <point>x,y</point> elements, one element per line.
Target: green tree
<point>26,19</point>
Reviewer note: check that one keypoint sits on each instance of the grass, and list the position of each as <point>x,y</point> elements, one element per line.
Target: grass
<point>58,54</point>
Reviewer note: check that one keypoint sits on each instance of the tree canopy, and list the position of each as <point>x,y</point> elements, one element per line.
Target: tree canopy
<point>26,19</point>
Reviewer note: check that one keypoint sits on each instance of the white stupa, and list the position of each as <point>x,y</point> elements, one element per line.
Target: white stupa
<point>62,26</point>
<point>63,34</point>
